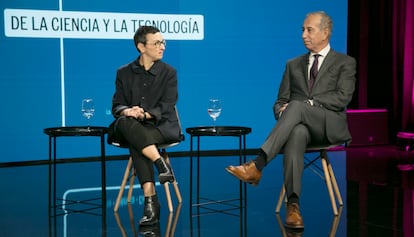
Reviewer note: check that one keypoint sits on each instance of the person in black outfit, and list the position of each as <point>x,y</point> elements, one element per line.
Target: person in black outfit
<point>144,107</point>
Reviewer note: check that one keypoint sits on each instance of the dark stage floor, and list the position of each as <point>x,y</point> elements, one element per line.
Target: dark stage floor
<point>376,184</point>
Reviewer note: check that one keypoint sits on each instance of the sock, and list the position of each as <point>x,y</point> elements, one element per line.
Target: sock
<point>293,198</point>
<point>159,164</point>
<point>260,160</point>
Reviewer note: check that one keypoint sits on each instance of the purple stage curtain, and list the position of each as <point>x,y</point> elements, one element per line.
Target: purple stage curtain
<point>403,59</point>
<point>381,38</point>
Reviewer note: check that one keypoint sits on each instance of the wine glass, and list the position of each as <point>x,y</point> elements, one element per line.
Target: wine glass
<point>214,110</point>
<point>88,108</point>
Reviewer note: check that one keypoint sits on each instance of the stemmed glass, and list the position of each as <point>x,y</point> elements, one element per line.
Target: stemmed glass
<point>214,110</point>
<point>88,108</point>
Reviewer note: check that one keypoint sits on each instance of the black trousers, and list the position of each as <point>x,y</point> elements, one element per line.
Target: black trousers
<point>299,125</point>
<point>140,135</point>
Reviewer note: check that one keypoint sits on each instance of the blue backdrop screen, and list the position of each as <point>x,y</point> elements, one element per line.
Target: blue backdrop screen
<point>56,53</point>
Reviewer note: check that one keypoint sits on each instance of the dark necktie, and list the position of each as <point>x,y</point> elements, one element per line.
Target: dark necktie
<point>313,71</point>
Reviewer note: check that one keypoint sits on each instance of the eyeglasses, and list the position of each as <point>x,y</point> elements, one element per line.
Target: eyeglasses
<point>158,43</point>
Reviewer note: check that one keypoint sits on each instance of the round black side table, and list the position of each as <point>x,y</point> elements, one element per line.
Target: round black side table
<point>79,131</point>
<point>229,131</point>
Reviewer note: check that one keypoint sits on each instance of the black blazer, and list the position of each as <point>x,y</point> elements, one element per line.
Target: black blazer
<point>154,90</point>
<point>332,90</point>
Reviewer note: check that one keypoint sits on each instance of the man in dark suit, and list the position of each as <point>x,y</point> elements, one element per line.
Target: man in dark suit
<point>310,109</point>
<point>144,107</point>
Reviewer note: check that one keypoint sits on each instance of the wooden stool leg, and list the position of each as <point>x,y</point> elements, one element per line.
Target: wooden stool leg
<point>175,184</point>
<point>329,185</point>
<point>129,170</point>
<point>169,224</point>
<point>281,197</point>
<point>177,192</point>
<point>121,189</point>
<point>334,183</point>
<point>131,185</point>
<point>330,180</point>
<point>168,195</point>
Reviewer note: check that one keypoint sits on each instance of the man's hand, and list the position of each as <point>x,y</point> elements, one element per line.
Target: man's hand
<point>282,108</point>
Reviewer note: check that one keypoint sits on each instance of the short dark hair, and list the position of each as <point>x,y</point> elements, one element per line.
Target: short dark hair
<point>141,34</point>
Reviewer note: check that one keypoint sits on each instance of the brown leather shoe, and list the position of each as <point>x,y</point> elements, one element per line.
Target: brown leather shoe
<point>246,172</point>
<point>293,217</point>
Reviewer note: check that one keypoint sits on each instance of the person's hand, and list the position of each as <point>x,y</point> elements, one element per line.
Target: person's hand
<point>135,112</point>
<point>283,107</point>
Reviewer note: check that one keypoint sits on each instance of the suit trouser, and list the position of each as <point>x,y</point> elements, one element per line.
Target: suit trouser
<point>299,125</point>
<point>140,135</point>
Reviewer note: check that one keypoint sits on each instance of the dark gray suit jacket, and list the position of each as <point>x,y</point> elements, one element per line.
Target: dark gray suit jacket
<point>332,91</point>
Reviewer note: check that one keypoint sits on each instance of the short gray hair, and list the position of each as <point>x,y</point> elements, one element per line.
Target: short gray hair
<point>326,21</point>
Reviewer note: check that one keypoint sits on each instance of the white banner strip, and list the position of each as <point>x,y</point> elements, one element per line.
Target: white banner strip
<point>98,25</point>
